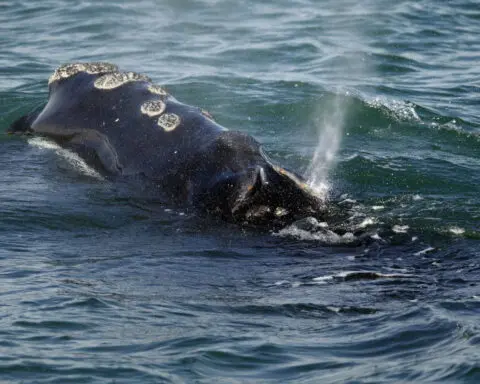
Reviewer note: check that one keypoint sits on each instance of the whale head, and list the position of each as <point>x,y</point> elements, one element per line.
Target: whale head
<point>247,187</point>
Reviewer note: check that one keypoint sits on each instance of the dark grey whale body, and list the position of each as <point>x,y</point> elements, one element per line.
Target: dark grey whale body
<point>123,124</point>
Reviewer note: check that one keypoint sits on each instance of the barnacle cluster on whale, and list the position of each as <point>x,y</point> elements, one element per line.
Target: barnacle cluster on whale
<point>169,121</point>
<point>153,108</point>
<point>157,90</point>
<point>111,79</point>
<point>67,70</point>
<point>117,79</point>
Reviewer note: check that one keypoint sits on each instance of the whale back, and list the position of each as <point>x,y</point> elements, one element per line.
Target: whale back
<point>147,130</point>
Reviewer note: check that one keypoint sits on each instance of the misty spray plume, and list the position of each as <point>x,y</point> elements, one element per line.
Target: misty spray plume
<point>330,117</point>
<point>330,130</point>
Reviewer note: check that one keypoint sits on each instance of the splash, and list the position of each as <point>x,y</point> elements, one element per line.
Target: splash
<point>396,109</point>
<point>311,229</point>
<point>72,158</point>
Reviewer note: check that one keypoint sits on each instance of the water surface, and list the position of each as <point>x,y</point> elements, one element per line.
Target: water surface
<point>101,282</point>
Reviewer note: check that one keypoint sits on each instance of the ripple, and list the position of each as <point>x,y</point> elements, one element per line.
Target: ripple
<point>52,325</point>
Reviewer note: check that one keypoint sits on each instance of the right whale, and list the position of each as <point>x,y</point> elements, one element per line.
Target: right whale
<point>123,124</point>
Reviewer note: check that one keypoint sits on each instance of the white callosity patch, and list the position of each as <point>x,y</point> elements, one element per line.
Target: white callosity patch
<point>157,90</point>
<point>153,108</point>
<point>117,79</point>
<point>169,121</point>
<point>67,70</point>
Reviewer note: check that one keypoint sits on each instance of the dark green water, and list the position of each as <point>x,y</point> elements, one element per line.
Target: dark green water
<point>102,283</point>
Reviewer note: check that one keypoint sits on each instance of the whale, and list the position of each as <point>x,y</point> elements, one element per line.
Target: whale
<point>125,125</point>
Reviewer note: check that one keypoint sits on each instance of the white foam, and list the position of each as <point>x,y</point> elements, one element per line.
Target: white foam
<point>334,309</point>
<point>424,251</point>
<point>348,201</point>
<point>366,222</point>
<point>295,284</point>
<point>457,230</point>
<point>320,189</point>
<point>323,279</point>
<point>400,228</point>
<point>367,275</point>
<point>398,109</point>
<point>72,158</point>
<point>315,231</point>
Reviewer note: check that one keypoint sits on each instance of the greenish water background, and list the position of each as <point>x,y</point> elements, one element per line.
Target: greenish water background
<point>100,282</point>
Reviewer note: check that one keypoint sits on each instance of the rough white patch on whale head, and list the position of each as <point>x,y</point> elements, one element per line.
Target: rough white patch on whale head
<point>99,68</point>
<point>153,108</point>
<point>117,79</point>
<point>169,121</point>
<point>157,90</point>
<point>67,70</point>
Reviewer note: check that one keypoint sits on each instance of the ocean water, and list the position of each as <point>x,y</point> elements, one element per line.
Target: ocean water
<point>376,102</point>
